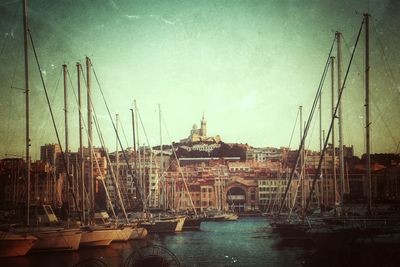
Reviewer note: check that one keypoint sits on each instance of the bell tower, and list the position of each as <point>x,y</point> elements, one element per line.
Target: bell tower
<point>203,128</point>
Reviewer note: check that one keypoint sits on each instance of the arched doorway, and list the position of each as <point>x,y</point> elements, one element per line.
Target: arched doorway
<point>236,198</point>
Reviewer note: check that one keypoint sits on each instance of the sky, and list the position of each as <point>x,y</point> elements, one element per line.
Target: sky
<point>247,65</point>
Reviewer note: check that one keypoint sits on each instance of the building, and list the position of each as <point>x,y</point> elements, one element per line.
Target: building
<point>264,154</point>
<point>200,135</point>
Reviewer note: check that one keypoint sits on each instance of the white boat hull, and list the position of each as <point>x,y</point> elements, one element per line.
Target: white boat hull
<point>230,217</point>
<point>123,234</point>
<point>12,245</point>
<point>181,222</point>
<point>58,240</point>
<point>98,237</point>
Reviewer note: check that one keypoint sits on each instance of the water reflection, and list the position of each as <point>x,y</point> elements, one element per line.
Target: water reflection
<point>247,242</point>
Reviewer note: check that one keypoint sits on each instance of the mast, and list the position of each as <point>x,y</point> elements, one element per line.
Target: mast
<point>333,130</point>
<point>116,150</point>
<point>340,120</point>
<point>333,117</point>
<point>134,146</point>
<point>90,139</point>
<point>325,195</point>
<point>367,113</point>
<point>302,178</point>
<point>81,161</point>
<point>27,137</point>
<point>140,184</point>
<point>163,190</point>
<point>66,124</point>
<point>320,146</point>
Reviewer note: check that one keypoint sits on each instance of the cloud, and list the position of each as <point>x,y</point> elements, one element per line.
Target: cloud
<point>115,7</point>
<point>160,18</point>
<point>132,17</point>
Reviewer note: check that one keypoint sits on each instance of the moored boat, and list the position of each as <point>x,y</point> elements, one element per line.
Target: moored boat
<point>230,216</point>
<point>192,223</point>
<point>123,234</point>
<point>138,233</point>
<point>160,226</point>
<point>181,222</point>
<point>97,236</point>
<point>12,245</point>
<point>56,240</point>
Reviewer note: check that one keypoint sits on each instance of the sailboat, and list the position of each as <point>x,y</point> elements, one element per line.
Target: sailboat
<point>92,235</point>
<point>159,222</point>
<point>12,245</point>
<point>296,228</point>
<point>47,238</point>
<point>341,230</point>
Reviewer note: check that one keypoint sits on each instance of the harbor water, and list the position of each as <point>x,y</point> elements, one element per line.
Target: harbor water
<point>245,242</point>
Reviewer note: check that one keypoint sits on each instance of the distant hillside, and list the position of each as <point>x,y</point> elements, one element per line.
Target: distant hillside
<point>225,150</point>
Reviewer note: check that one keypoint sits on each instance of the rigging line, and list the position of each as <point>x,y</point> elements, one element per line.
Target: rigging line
<point>318,172</point>
<point>54,123</point>
<point>291,136</point>
<point>72,87</point>
<point>385,58</point>
<point>123,132</point>
<point>86,197</point>
<point>349,50</point>
<point>312,131</point>
<point>392,33</point>
<point>10,138</point>
<point>11,22</point>
<point>284,165</point>
<point>373,102</point>
<point>308,124</point>
<point>95,158</point>
<point>141,193</point>
<point>117,185</point>
<point>100,135</point>
<point>57,86</point>
<point>97,126</point>
<point>144,131</point>
<point>380,113</point>
<point>148,143</point>
<point>180,169</point>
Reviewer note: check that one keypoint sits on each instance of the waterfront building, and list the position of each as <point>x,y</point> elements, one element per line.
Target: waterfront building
<point>264,154</point>
<point>147,173</point>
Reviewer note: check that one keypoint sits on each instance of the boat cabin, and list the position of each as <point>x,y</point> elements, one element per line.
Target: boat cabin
<point>42,214</point>
<point>102,218</point>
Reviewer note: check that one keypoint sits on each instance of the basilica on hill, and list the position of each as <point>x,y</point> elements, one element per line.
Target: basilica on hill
<point>200,135</point>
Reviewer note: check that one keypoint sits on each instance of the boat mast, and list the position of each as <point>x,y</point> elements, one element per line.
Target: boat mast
<point>333,130</point>
<point>301,173</point>
<point>90,139</point>
<point>367,113</point>
<point>66,124</point>
<point>320,146</point>
<point>134,147</point>
<point>163,189</point>
<point>324,181</point>
<point>116,150</point>
<point>340,120</point>
<point>81,161</point>
<point>27,138</point>
<point>140,184</point>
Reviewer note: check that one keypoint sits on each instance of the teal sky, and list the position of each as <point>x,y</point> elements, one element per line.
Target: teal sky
<point>247,65</point>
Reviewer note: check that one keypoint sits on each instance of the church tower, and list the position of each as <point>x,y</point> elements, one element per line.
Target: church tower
<point>203,128</point>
